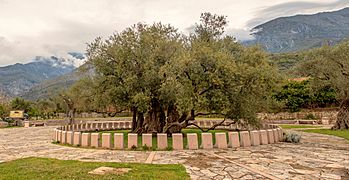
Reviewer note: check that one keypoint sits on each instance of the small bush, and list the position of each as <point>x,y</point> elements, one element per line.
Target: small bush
<point>134,147</point>
<point>311,116</point>
<point>292,137</point>
<point>145,148</point>
<point>169,148</point>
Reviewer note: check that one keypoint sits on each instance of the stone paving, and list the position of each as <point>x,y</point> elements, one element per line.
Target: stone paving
<point>316,157</point>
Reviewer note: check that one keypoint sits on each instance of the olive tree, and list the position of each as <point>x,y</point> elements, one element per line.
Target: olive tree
<point>329,66</point>
<point>167,79</point>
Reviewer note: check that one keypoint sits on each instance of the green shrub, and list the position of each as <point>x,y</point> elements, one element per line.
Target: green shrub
<point>311,116</point>
<point>292,137</point>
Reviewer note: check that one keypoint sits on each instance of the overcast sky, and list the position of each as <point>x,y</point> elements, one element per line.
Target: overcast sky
<point>50,27</point>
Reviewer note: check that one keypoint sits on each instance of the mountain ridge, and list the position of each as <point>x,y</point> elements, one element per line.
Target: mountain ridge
<point>300,32</point>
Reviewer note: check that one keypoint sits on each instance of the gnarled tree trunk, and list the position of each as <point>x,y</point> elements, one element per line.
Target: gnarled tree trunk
<point>343,116</point>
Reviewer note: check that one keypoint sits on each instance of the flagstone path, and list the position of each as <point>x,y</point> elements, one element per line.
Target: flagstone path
<point>316,157</point>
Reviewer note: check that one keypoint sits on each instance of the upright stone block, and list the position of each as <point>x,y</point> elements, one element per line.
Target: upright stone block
<point>105,126</point>
<point>95,140</point>
<point>255,138</point>
<point>201,123</point>
<point>206,142</point>
<point>59,136</point>
<point>26,124</point>
<point>281,135</point>
<point>132,140</point>
<point>118,140</point>
<point>276,135</point>
<point>56,135</point>
<point>94,126</point>
<point>83,127</point>
<point>76,140</point>
<point>106,140</point>
<point>192,141</point>
<point>147,140</point>
<point>177,141</point>
<point>263,137</point>
<point>116,125</point>
<point>221,141</point>
<point>162,141</point>
<point>78,127</point>
<point>100,126</point>
<point>128,125</point>
<point>234,141</point>
<point>245,139</point>
<point>270,134</point>
<point>85,139</point>
<point>122,125</point>
<point>208,124</point>
<point>70,137</point>
<point>64,137</point>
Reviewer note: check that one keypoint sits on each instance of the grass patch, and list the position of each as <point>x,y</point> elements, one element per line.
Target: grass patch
<point>169,139</point>
<point>339,133</point>
<point>45,168</point>
<point>297,126</point>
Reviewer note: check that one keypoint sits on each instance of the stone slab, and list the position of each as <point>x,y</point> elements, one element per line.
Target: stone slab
<point>147,140</point>
<point>85,139</point>
<point>106,140</point>
<point>270,134</point>
<point>192,141</point>
<point>276,135</point>
<point>76,139</point>
<point>162,141</point>
<point>95,140</point>
<point>118,140</point>
<point>245,139</point>
<point>132,140</point>
<point>263,137</point>
<point>206,142</point>
<point>255,138</point>
<point>177,141</point>
<point>221,140</point>
<point>234,140</point>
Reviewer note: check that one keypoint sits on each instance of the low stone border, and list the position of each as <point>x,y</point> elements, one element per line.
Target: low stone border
<point>81,135</point>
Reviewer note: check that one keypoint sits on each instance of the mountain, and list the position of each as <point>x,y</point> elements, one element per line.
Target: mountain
<point>18,78</point>
<point>52,87</point>
<point>288,34</point>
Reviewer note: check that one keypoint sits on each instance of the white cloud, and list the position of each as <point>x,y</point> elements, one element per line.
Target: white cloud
<point>50,27</point>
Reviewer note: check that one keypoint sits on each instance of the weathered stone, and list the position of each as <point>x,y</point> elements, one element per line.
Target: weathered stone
<point>26,124</point>
<point>132,140</point>
<point>162,141</point>
<point>177,141</point>
<point>221,140</point>
<point>245,139</point>
<point>206,140</point>
<point>263,137</point>
<point>64,137</point>
<point>234,141</point>
<point>255,141</point>
<point>85,139</point>
<point>192,140</point>
<point>147,140</point>
<point>276,135</point>
<point>70,137</point>
<point>106,140</point>
<point>76,139</point>
<point>270,134</point>
<point>95,140</point>
<point>110,170</point>
<point>118,140</point>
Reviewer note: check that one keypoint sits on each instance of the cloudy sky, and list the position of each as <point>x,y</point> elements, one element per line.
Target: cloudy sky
<point>50,27</point>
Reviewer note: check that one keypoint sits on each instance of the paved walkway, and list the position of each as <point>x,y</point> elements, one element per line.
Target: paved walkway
<point>316,157</point>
